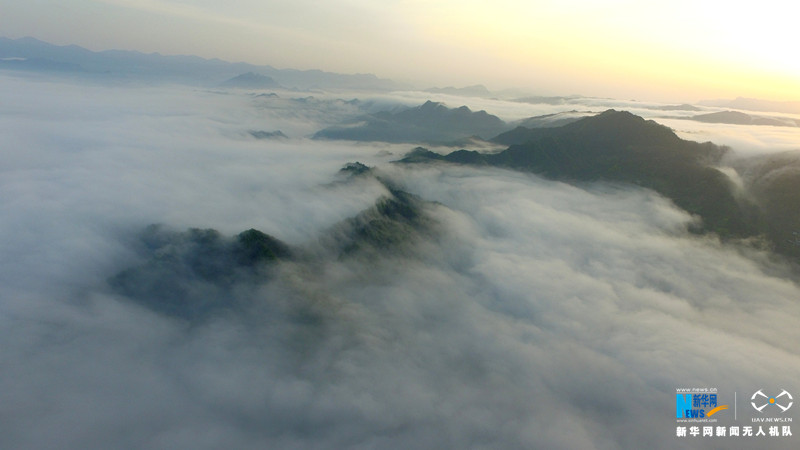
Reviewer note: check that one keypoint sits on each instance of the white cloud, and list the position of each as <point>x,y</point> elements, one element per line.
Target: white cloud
<point>745,140</point>
<point>543,314</point>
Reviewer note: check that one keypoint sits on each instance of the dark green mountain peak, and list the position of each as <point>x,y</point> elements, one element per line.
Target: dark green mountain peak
<point>355,168</point>
<point>611,128</point>
<point>624,128</point>
<point>189,274</point>
<point>619,146</point>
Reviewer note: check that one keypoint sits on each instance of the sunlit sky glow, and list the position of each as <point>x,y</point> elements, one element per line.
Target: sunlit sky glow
<point>679,50</point>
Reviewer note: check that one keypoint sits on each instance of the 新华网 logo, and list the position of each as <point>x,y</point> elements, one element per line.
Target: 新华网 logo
<point>697,405</point>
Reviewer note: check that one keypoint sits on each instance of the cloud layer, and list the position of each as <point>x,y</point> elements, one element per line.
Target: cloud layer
<point>541,315</point>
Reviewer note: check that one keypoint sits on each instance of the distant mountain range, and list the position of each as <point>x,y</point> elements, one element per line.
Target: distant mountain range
<point>431,122</point>
<point>251,80</point>
<point>753,104</point>
<point>29,54</point>
<point>740,118</point>
<point>477,90</point>
<point>545,100</point>
<point>435,123</point>
<point>681,107</point>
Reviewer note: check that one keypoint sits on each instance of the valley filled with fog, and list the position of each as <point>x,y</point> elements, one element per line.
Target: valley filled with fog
<point>425,305</point>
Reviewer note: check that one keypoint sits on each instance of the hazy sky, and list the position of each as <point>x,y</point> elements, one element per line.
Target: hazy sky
<point>676,50</point>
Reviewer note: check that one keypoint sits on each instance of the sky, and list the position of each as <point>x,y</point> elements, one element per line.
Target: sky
<point>679,50</point>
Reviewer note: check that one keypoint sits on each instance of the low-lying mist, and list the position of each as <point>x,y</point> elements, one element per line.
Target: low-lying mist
<point>531,314</point>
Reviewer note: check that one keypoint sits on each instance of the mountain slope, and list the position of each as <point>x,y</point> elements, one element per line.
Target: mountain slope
<point>621,147</point>
<point>195,274</point>
<point>774,182</point>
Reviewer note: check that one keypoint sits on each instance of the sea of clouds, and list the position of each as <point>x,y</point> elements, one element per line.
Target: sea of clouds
<point>542,315</point>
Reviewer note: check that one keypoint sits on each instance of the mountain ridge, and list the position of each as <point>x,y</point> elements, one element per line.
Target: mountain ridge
<point>191,275</point>
<point>740,118</point>
<point>619,146</point>
<point>431,122</point>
